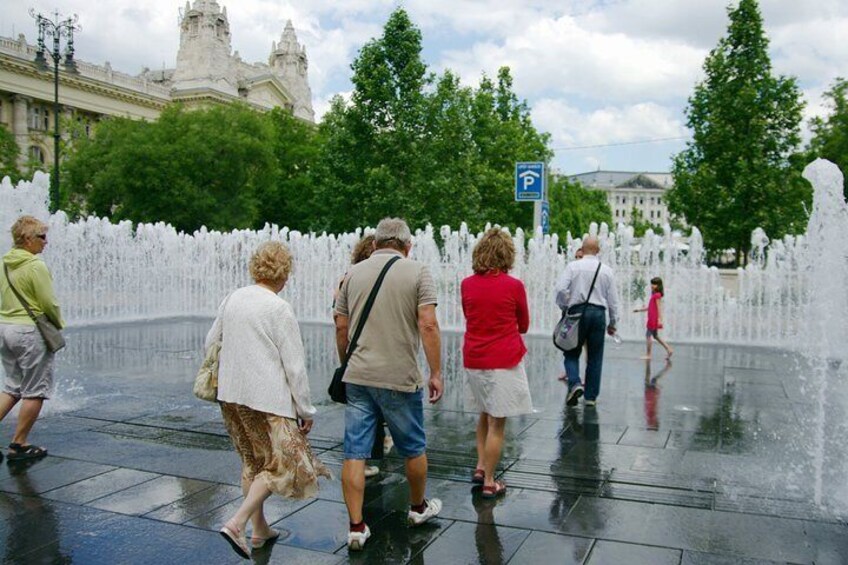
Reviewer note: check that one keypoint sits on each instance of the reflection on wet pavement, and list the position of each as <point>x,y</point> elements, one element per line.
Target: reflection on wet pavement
<point>708,459</point>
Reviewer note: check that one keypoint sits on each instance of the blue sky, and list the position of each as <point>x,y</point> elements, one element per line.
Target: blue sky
<point>608,73</point>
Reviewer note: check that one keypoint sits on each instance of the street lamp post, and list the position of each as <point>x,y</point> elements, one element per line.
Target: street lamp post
<point>56,29</point>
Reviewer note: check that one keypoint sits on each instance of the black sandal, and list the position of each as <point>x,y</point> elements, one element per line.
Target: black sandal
<point>18,452</point>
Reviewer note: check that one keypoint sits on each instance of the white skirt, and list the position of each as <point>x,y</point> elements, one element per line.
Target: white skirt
<point>498,392</point>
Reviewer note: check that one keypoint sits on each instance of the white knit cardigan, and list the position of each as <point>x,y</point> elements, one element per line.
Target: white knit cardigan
<point>262,364</point>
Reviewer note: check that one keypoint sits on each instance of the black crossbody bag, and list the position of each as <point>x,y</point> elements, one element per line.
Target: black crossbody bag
<point>337,389</point>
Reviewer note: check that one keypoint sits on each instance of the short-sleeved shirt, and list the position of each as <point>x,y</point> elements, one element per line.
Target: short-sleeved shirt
<point>386,354</point>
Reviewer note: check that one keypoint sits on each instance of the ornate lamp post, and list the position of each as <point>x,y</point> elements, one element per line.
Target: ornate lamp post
<point>56,29</point>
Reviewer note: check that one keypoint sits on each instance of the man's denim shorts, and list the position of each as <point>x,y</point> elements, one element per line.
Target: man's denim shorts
<point>402,411</point>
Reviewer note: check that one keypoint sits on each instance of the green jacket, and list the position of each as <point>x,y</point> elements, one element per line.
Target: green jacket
<point>34,282</point>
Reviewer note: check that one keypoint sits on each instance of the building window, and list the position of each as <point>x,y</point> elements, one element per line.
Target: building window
<point>36,155</point>
<point>659,200</point>
<point>39,118</point>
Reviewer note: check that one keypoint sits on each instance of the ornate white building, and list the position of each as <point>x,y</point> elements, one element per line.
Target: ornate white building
<point>206,72</point>
<point>626,191</point>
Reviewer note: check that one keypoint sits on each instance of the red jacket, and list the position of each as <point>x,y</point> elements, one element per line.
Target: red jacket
<point>496,314</point>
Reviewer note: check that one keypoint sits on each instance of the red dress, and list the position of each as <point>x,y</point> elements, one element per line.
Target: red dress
<point>496,314</point>
<point>654,312</point>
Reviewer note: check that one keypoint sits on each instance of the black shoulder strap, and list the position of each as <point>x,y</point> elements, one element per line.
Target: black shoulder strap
<point>591,288</point>
<point>368,304</point>
<point>17,294</point>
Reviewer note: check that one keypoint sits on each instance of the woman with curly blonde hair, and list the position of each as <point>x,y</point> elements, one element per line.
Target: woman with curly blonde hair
<point>496,314</point>
<point>263,391</point>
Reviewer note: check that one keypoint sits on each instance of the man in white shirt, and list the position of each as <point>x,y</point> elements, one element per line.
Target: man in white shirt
<point>572,290</point>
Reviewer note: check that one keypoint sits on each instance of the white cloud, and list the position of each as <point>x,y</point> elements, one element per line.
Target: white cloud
<point>561,56</point>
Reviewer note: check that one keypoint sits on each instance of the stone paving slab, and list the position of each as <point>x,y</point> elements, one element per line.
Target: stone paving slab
<point>705,462</point>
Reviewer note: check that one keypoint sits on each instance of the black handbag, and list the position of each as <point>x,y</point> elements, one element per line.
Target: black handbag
<point>52,336</point>
<point>337,389</point>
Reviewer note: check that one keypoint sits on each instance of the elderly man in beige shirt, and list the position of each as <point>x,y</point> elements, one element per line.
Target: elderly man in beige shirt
<point>382,374</point>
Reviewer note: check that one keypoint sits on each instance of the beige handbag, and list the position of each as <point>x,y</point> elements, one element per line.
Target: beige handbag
<point>53,339</point>
<point>206,381</point>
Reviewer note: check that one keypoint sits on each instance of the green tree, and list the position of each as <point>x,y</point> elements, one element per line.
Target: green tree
<point>736,174</point>
<point>504,134</point>
<point>296,148</point>
<point>9,152</point>
<point>422,147</point>
<point>830,135</point>
<point>573,207</point>
<point>190,168</point>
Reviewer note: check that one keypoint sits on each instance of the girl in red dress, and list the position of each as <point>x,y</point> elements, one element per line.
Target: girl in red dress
<point>655,318</point>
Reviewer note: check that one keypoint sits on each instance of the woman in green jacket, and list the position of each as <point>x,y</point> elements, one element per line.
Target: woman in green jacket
<point>27,361</point>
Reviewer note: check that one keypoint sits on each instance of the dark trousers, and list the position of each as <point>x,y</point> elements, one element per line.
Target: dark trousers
<point>592,330</point>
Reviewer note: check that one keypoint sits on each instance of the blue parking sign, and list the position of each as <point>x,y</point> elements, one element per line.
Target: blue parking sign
<point>546,217</point>
<point>529,182</point>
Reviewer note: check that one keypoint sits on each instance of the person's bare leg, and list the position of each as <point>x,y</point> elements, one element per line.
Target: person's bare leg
<point>353,487</point>
<point>261,529</point>
<point>7,402</point>
<point>416,475</point>
<point>649,345</point>
<point>482,432</point>
<point>256,496</point>
<point>668,349</point>
<point>494,445</point>
<point>30,409</point>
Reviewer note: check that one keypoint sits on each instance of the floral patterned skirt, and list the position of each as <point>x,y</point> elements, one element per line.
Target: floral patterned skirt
<point>273,450</point>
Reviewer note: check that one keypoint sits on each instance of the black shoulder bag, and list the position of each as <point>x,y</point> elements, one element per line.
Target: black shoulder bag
<point>50,333</point>
<point>337,389</point>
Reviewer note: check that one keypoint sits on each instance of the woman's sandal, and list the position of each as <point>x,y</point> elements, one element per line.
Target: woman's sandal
<point>495,490</point>
<point>18,452</point>
<point>236,540</point>
<point>478,476</point>
<point>257,542</point>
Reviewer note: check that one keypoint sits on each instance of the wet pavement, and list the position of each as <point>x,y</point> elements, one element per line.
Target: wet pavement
<point>726,455</point>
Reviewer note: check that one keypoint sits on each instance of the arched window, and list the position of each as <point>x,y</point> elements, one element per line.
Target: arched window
<point>36,155</point>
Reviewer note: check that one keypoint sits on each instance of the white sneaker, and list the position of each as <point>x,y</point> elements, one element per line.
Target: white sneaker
<point>388,443</point>
<point>356,540</point>
<point>371,471</point>
<point>590,403</point>
<point>434,506</point>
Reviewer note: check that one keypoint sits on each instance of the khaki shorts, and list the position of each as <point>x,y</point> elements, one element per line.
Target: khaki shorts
<point>27,362</point>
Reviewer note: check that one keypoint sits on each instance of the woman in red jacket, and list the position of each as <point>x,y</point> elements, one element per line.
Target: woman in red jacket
<point>496,314</point>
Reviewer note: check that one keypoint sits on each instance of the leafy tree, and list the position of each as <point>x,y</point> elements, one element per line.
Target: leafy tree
<point>574,207</point>
<point>830,135</point>
<point>504,135</point>
<point>736,173</point>
<point>9,152</point>
<point>422,147</point>
<point>296,148</point>
<point>189,168</point>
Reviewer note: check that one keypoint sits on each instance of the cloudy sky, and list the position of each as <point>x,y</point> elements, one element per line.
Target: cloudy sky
<point>608,79</point>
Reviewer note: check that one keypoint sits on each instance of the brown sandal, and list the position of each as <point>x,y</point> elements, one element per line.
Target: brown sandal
<point>478,477</point>
<point>495,490</point>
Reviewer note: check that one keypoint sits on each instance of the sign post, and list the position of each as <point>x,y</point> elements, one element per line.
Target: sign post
<point>530,186</point>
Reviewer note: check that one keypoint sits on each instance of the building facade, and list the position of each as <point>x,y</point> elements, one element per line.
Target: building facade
<point>626,191</point>
<point>206,72</point>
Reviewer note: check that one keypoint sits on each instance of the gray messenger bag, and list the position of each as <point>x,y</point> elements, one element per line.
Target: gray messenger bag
<point>50,333</point>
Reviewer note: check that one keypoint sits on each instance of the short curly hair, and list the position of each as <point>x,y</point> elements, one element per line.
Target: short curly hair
<point>362,250</point>
<point>494,251</point>
<point>26,228</point>
<point>271,262</point>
